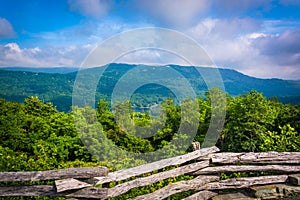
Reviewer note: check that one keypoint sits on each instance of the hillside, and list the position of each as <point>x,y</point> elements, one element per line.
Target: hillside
<point>50,70</point>
<point>57,87</point>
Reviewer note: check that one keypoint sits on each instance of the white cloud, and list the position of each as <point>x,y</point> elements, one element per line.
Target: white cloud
<point>66,47</point>
<point>232,41</point>
<point>13,47</point>
<point>224,40</point>
<point>172,12</point>
<point>94,8</point>
<point>12,54</point>
<point>282,51</point>
<point>256,35</point>
<point>90,32</point>
<point>6,29</point>
<point>243,45</point>
<point>151,57</point>
<point>182,14</point>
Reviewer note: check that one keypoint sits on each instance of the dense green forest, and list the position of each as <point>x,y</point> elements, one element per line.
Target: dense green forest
<point>56,86</point>
<point>36,136</point>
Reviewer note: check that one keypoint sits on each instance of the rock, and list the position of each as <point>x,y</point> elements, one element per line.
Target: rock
<point>283,191</point>
<point>289,190</point>
<point>267,191</point>
<point>235,196</point>
<point>294,179</point>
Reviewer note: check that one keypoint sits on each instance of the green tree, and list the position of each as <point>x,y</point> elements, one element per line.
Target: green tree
<point>248,119</point>
<point>34,106</point>
<point>287,139</point>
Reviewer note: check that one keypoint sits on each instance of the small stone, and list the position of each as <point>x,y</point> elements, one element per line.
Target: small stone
<point>280,188</point>
<point>294,179</point>
<point>265,191</point>
<point>235,196</point>
<point>291,190</point>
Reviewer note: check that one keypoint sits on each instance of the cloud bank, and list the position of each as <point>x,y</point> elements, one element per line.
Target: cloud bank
<point>251,36</point>
<point>6,29</point>
<point>12,54</point>
<point>94,8</point>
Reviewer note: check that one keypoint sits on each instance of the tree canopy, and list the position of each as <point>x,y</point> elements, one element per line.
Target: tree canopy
<point>36,136</point>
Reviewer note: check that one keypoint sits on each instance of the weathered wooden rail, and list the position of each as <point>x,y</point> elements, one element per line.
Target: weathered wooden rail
<point>205,165</point>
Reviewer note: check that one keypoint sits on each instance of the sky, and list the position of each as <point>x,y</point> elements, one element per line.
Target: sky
<point>259,38</point>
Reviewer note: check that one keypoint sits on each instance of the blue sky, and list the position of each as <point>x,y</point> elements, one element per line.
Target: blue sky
<point>257,37</point>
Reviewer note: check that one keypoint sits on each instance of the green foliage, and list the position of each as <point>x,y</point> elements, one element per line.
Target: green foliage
<point>36,107</point>
<point>287,139</point>
<point>57,88</point>
<point>35,132</point>
<point>36,136</point>
<point>248,119</point>
<point>12,161</point>
<point>254,123</point>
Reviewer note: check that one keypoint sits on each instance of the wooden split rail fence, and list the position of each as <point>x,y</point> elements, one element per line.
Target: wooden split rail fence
<point>205,165</point>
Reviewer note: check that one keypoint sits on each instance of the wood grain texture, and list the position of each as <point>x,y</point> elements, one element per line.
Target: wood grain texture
<point>85,172</point>
<point>203,183</point>
<point>206,182</point>
<point>124,187</point>
<point>178,187</point>
<point>248,168</point>
<point>202,195</point>
<point>244,182</point>
<point>70,184</point>
<point>48,190</point>
<point>142,169</point>
<point>90,193</point>
<point>35,190</point>
<point>252,158</point>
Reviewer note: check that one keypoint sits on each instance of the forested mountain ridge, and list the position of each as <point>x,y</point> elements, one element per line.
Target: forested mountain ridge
<point>57,86</point>
<point>50,70</point>
<point>34,135</point>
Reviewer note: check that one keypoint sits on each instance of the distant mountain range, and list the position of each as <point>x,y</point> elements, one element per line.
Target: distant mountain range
<point>56,84</point>
<point>50,70</point>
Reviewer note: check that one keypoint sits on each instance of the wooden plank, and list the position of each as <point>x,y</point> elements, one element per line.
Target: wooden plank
<point>90,193</point>
<point>34,190</point>
<point>84,172</point>
<point>207,157</point>
<point>198,185</point>
<point>248,168</point>
<point>202,195</point>
<point>70,184</point>
<point>178,187</point>
<point>124,187</point>
<point>244,182</point>
<point>142,169</point>
<point>261,158</point>
<point>48,190</point>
